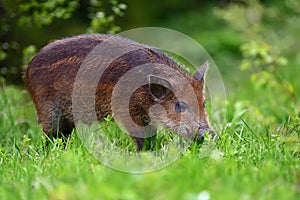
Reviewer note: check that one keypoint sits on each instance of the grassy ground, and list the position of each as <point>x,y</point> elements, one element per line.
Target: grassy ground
<point>257,157</point>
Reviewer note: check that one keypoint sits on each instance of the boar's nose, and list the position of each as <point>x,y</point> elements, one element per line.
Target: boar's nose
<point>211,132</point>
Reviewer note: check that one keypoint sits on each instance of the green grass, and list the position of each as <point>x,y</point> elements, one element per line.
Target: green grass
<point>257,157</point>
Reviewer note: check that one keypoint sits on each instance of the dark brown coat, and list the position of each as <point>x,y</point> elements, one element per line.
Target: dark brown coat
<point>52,72</point>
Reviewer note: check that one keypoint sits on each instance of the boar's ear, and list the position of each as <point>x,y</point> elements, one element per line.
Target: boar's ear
<point>200,74</point>
<point>159,87</point>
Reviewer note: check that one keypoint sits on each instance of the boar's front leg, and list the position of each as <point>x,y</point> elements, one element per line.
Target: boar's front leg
<point>147,139</point>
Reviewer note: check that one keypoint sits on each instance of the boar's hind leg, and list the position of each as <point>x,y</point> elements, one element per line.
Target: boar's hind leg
<point>55,125</point>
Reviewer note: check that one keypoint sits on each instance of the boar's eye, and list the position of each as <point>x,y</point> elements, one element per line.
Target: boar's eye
<point>181,106</point>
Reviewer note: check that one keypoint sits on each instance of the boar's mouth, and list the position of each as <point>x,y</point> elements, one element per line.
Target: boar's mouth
<point>199,133</point>
<point>203,129</point>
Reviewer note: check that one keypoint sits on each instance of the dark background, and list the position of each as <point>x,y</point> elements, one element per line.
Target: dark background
<point>252,42</point>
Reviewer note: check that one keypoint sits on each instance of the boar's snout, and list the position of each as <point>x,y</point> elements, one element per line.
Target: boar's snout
<point>206,129</point>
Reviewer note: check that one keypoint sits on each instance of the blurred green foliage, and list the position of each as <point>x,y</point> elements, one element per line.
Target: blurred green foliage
<point>25,26</point>
<point>270,54</point>
<point>100,21</point>
<point>42,13</point>
<point>270,33</point>
<point>251,41</point>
